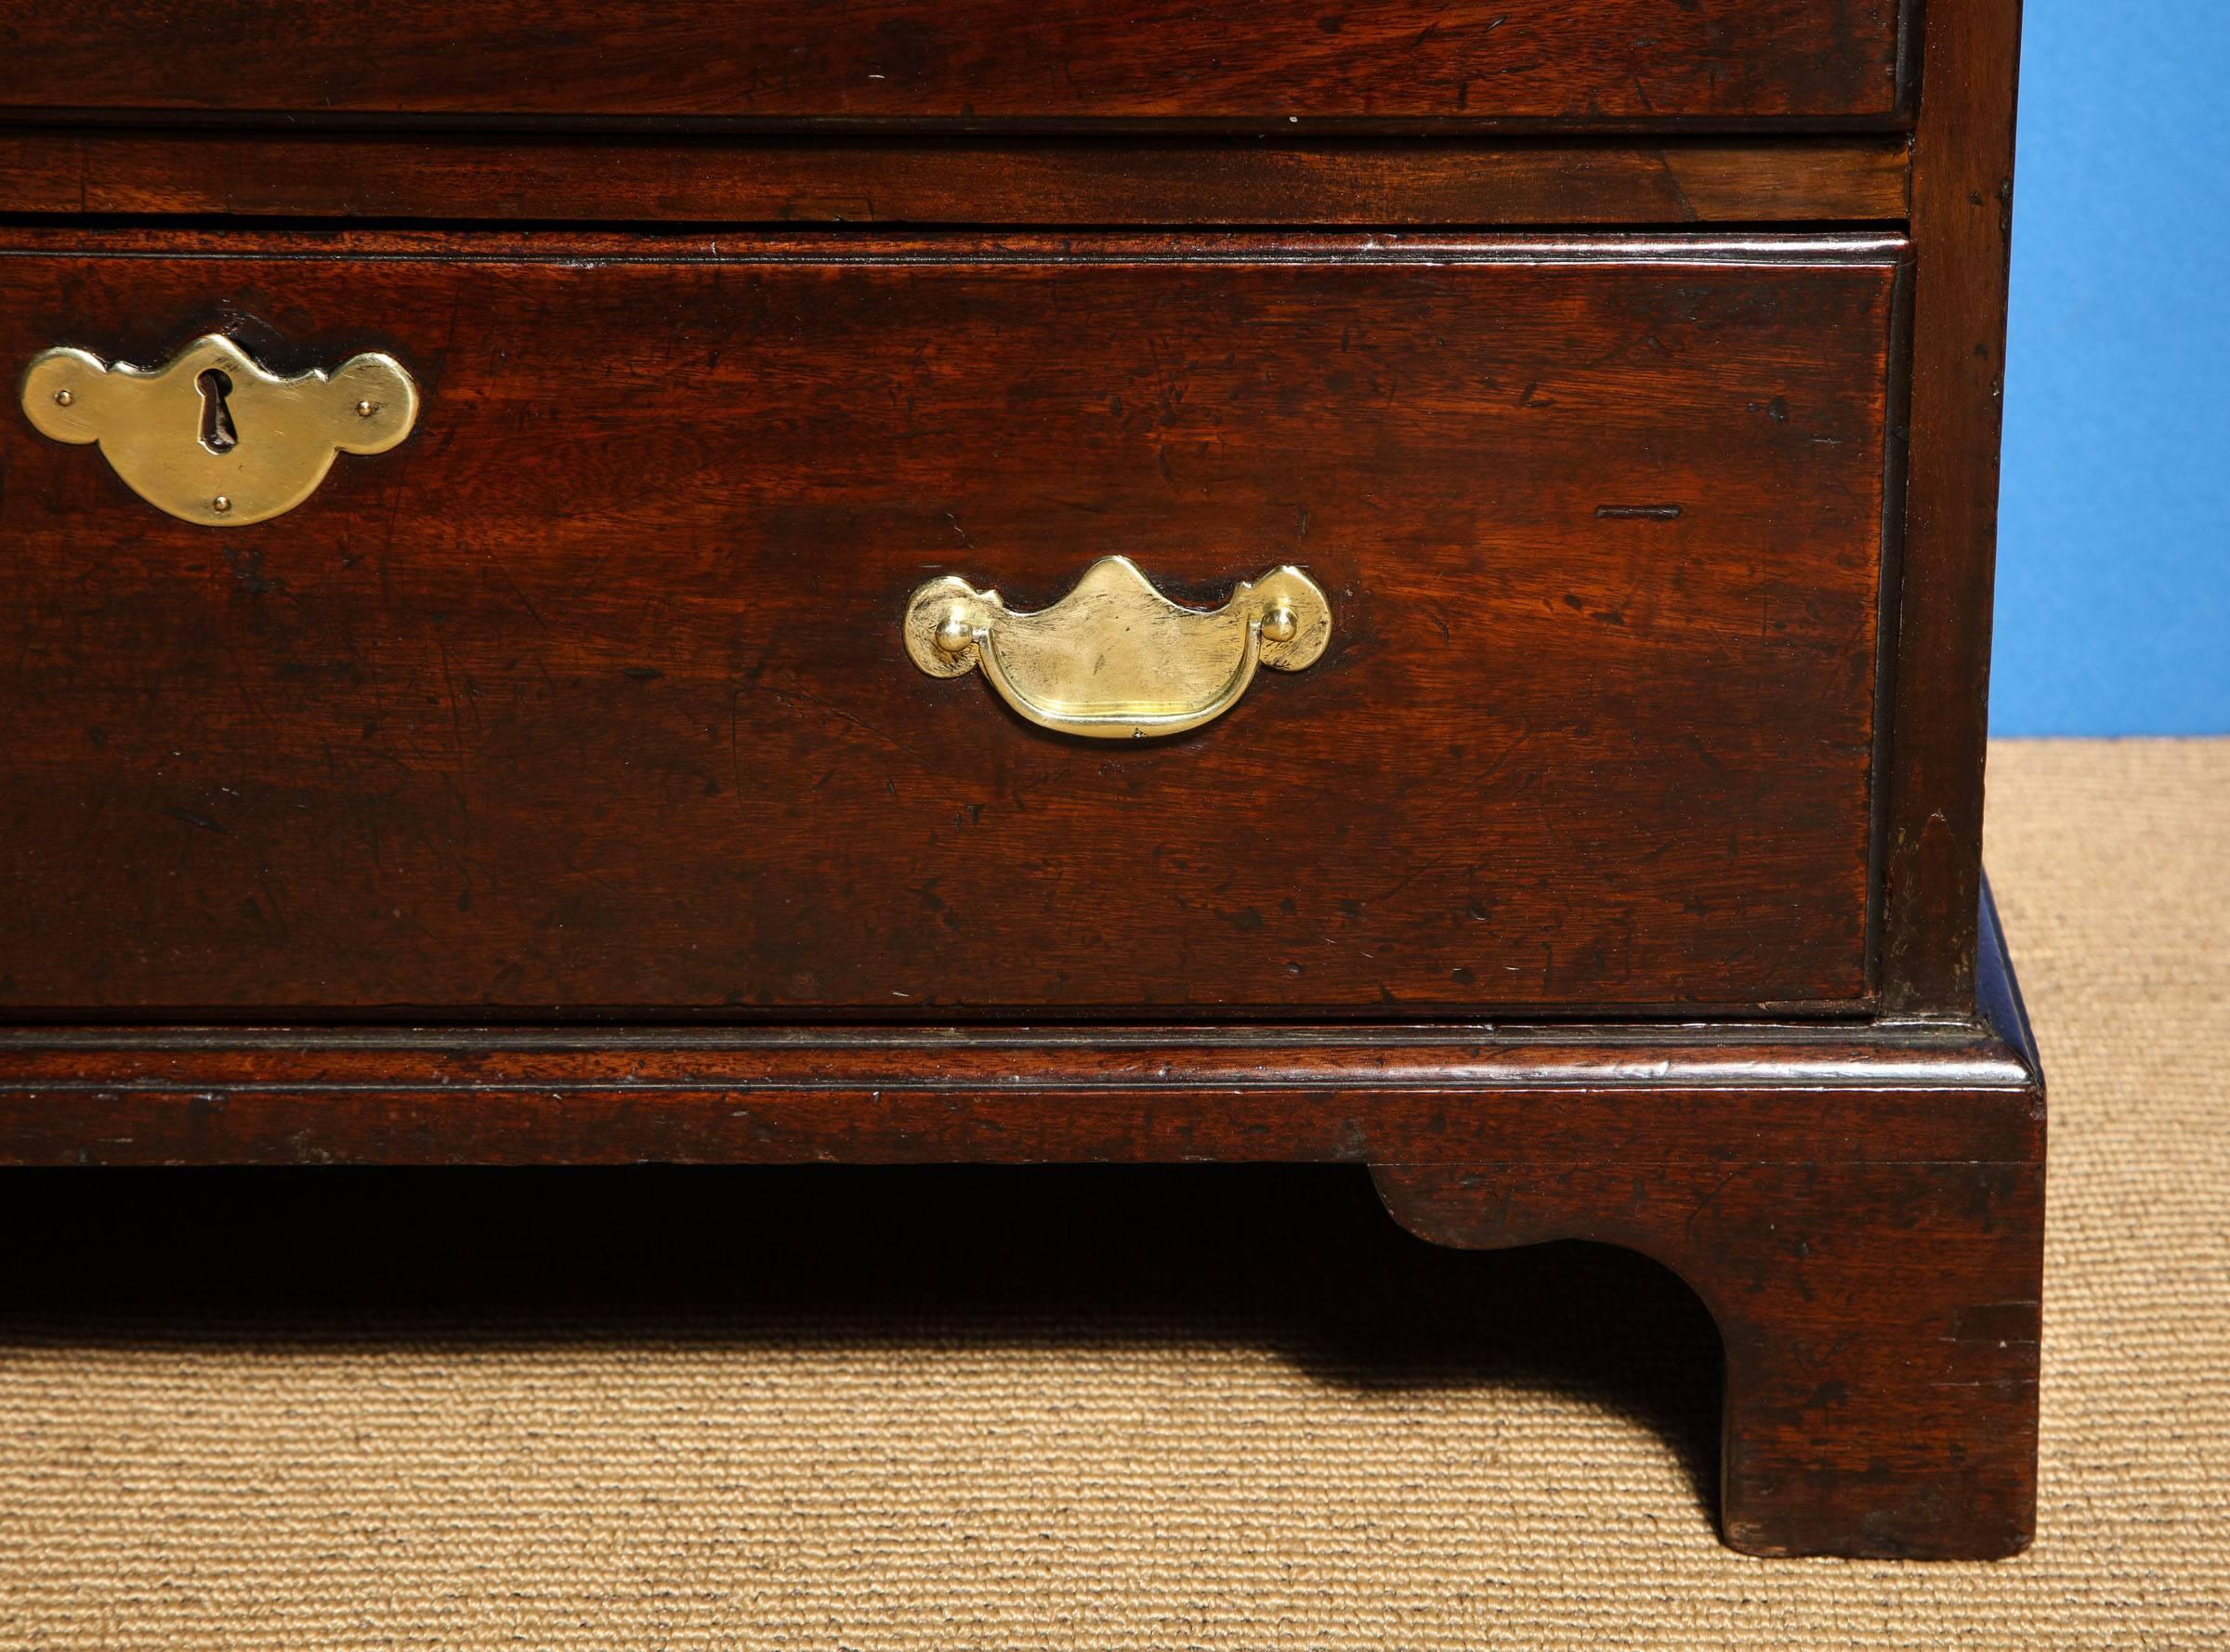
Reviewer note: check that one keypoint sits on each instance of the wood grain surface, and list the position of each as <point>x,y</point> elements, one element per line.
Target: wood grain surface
<point>591,696</point>
<point>1881,1323</point>
<point>970,62</point>
<point>1118,1095</point>
<point>1881,1309</point>
<point>1446,1097</point>
<point>1963,221</point>
<point>517,177</point>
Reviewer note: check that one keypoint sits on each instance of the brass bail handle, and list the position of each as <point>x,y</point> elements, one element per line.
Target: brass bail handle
<point>1115,658</point>
<point>212,437</point>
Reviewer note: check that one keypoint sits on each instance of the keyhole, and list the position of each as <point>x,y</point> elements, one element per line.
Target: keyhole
<point>218,434</point>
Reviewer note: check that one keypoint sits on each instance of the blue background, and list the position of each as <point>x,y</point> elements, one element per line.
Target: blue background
<point>2114,542</point>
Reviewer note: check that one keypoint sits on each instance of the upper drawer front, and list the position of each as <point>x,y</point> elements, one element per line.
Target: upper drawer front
<point>593,691</point>
<point>1041,64</point>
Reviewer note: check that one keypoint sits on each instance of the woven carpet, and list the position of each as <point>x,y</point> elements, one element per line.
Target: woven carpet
<point>1072,1408</point>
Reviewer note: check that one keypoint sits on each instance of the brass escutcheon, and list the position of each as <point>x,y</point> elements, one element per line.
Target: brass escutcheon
<point>211,437</point>
<point>1115,658</point>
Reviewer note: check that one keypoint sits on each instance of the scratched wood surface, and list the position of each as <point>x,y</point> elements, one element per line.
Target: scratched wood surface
<point>592,694</point>
<point>1043,62</point>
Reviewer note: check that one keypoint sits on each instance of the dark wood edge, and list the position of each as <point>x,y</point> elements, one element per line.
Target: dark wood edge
<point>1912,33</point>
<point>308,1059</point>
<point>1968,1093</point>
<point>1775,1121</point>
<point>500,178</point>
<point>1776,247</point>
<point>1896,462</point>
<point>1998,1005</point>
<point>1896,119</point>
<point>1961,226</point>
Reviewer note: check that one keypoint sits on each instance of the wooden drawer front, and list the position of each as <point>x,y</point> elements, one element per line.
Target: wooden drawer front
<point>976,63</point>
<point>592,693</point>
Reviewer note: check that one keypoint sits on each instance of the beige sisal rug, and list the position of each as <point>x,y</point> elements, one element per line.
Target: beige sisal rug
<point>826,1408</point>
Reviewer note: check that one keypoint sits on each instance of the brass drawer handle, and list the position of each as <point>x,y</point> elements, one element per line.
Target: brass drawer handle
<point>1115,658</point>
<point>210,436</point>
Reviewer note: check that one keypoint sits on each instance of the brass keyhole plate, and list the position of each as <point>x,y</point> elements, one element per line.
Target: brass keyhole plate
<point>210,436</point>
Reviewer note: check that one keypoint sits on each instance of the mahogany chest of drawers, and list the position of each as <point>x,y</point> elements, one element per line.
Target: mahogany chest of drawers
<point>918,581</point>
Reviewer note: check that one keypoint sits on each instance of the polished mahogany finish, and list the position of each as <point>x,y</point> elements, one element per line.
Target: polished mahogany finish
<point>1962,217</point>
<point>969,63</point>
<point>556,788</point>
<point>669,179</point>
<point>1601,522</point>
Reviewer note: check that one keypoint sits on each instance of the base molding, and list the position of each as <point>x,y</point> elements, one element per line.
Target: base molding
<point>1860,1206</point>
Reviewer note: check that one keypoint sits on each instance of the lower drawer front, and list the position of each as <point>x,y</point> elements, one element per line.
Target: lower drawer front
<point>593,693</point>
